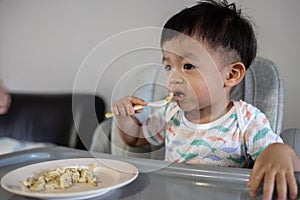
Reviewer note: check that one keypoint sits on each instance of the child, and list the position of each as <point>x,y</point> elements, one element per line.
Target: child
<point>206,51</point>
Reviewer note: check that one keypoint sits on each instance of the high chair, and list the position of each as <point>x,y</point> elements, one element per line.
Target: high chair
<point>261,87</point>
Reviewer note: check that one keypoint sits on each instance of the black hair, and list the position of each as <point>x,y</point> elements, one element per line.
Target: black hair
<point>218,24</point>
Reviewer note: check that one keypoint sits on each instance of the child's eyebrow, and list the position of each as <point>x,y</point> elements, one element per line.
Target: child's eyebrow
<point>187,56</point>
<point>165,59</point>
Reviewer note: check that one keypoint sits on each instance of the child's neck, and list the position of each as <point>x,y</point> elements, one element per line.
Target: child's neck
<point>208,115</point>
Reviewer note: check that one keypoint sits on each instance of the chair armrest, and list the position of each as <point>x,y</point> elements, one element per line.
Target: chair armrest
<point>101,138</point>
<point>291,137</point>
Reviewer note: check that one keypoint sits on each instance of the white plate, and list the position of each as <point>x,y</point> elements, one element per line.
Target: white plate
<point>111,174</point>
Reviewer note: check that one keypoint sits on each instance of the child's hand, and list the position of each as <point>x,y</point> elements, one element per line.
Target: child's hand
<point>124,107</point>
<point>129,126</point>
<point>275,167</point>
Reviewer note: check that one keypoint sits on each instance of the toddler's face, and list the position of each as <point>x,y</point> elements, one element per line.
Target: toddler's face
<point>194,74</point>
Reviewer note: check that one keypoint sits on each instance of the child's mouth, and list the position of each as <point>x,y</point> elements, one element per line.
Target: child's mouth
<point>179,96</point>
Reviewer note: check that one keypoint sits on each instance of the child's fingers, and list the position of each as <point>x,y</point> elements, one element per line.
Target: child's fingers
<point>119,108</point>
<point>292,185</point>
<point>115,109</point>
<point>129,108</point>
<point>255,180</point>
<point>139,110</point>
<point>136,100</point>
<point>269,180</point>
<point>281,186</point>
<point>124,107</point>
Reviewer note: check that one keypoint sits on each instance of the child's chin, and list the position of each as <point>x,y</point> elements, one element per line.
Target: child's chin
<point>184,106</point>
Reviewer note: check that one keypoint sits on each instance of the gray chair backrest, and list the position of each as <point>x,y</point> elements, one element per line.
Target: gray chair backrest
<point>262,87</point>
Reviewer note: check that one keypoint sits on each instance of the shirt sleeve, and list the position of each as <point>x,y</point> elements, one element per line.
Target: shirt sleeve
<point>154,128</point>
<point>258,132</point>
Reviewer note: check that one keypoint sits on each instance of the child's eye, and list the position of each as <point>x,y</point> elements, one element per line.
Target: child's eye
<point>188,66</point>
<point>168,67</point>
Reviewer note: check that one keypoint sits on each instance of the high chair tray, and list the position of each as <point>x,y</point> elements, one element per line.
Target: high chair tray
<point>156,179</point>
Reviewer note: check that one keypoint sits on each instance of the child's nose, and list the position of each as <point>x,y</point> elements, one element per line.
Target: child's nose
<point>176,77</point>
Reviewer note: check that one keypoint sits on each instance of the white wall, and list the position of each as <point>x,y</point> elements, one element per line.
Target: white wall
<point>278,31</point>
<point>43,43</point>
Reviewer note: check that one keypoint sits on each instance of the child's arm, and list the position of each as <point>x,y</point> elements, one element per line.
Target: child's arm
<point>275,167</point>
<point>128,126</point>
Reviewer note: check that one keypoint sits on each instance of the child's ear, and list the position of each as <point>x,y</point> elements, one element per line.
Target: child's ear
<point>235,74</point>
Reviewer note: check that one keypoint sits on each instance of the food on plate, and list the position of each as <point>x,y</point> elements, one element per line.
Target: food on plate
<point>61,178</point>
